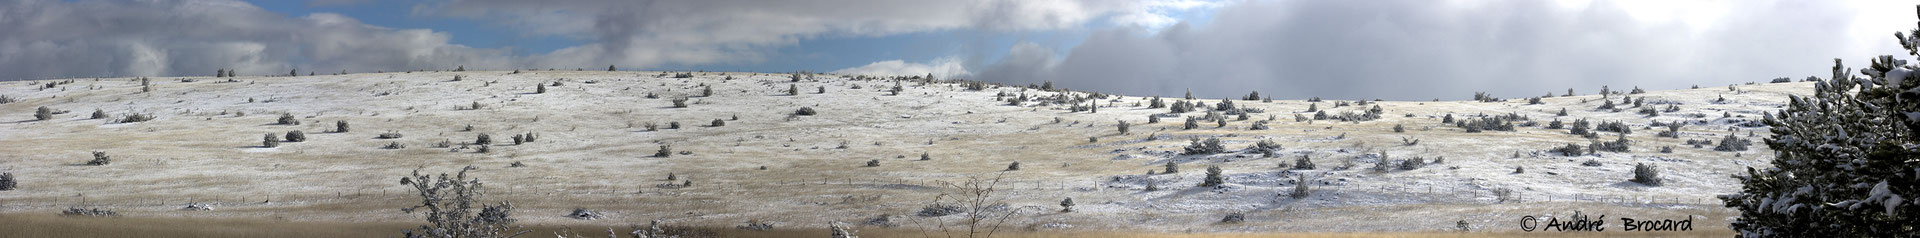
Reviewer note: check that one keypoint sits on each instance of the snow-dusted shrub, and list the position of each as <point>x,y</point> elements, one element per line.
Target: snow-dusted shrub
<point>1397,128</point>
<point>1171,168</point>
<point>1192,123</point>
<point>665,151</point>
<point>483,139</point>
<point>296,136</point>
<point>270,141</point>
<point>718,123</point>
<point>42,114</point>
<point>1303,163</point>
<point>134,117</point>
<point>1233,218</point>
<point>1645,174</point>
<point>95,212</point>
<point>1614,126</point>
<point>805,111</point>
<point>1732,143</point>
<point>1490,124</point>
<point>938,210</point>
<point>873,163</point>
<point>341,127</point>
<point>1569,150</point>
<point>287,119</point>
<point>1122,125</point>
<point>679,102</point>
<point>1414,163</point>
<point>1203,147</point>
<point>1618,145</point>
<point>389,135</point>
<point>1579,127</point>
<point>1673,130</point>
<point>1300,189</point>
<point>98,114</point>
<point>1013,166</point>
<point>7,182</point>
<point>394,146</point>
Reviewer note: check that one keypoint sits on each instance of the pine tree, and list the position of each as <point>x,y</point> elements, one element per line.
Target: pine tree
<point>1842,167</point>
<point>1213,177</point>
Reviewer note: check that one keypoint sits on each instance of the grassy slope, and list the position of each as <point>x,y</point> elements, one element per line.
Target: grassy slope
<point>593,153</point>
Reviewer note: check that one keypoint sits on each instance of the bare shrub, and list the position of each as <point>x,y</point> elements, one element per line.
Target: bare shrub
<point>1502,195</point>
<point>450,201</point>
<point>975,197</point>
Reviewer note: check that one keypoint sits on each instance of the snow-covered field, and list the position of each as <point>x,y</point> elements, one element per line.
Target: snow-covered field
<point>594,151</point>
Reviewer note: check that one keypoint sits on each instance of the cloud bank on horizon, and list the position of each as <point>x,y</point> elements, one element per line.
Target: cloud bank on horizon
<point>1394,49</point>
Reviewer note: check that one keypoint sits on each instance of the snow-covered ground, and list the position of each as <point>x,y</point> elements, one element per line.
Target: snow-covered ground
<point>593,151</point>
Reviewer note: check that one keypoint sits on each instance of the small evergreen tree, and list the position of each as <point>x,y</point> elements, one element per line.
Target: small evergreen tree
<point>1172,168</point>
<point>1213,177</point>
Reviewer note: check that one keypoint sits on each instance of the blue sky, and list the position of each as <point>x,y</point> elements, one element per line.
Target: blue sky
<point>1387,49</point>
<point>816,53</point>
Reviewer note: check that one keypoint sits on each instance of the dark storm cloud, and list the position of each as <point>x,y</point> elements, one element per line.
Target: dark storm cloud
<point>1415,50</point>
<point>57,39</point>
